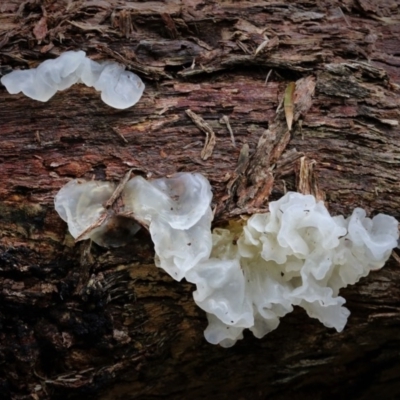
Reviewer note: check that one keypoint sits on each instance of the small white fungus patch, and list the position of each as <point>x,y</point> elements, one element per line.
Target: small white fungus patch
<point>119,88</point>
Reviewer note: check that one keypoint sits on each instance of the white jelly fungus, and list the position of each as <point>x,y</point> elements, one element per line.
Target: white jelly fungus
<point>81,204</point>
<point>251,273</point>
<point>177,211</point>
<point>119,88</point>
<point>297,254</point>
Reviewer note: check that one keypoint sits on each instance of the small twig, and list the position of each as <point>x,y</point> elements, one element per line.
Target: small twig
<point>95,225</point>
<point>86,257</point>
<point>243,47</point>
<point>268,75</point>
<point>370,127</point>
<point>198,142</point>
<point>210,135</point>
<point>163,110</point>
<point>396,257</point>
<point>84,371</point>
<point>279,108</point>
<point>37,375</point>
<point>247,210</point>
<point>119,134</point>
<point>37,135</point>
<point>344,17</point>
<point>109,204</point>
<point>225,120</point>
<point>119,189</point>
<point>262,45</point>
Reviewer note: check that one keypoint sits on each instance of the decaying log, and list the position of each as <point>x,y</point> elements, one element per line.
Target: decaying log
<point>79,320</point>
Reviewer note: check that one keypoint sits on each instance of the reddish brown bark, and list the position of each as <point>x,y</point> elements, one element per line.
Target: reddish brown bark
<point>78,321</point>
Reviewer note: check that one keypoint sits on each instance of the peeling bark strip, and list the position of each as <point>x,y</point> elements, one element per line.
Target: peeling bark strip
<point>81,321</point>
<point>306,179</point>
<point>272,144</point>
<point>288,104</point>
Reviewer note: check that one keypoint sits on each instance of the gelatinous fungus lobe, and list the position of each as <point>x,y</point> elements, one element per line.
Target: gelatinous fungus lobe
<point>81,204</point>
<point>119,88</point>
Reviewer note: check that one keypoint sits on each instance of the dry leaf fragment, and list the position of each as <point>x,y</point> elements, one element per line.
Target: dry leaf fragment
<point>288,104</point>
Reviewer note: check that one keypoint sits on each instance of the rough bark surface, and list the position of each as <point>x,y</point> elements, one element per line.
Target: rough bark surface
<point>82,321</point>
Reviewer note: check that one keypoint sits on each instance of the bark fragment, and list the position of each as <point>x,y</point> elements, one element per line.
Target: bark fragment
<point>210,135</point>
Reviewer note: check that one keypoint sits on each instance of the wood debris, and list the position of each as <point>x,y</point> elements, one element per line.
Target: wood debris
<point>225,120</point>
<point>119,134</point>
<point>210,135</point>
<point>307,182</point>
<point>272,143</point>
<point>267,78</point>
<point>90,228</point>
<point>119,189</point>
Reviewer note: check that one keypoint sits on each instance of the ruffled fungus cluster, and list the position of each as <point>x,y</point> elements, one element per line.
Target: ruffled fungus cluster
<point>251,273</point>
<point>297,254</point>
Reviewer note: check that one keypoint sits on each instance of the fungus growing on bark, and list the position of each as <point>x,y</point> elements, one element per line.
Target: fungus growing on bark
<point>250,274</point>
<point>297,254</point>
<point>119,88</point>
<point>81,204</point>
<point>178,214</point>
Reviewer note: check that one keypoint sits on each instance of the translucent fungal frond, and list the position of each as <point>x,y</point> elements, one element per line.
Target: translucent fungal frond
<point>119,88</point>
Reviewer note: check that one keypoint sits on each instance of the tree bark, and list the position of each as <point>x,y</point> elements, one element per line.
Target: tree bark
<point>79,320</point>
